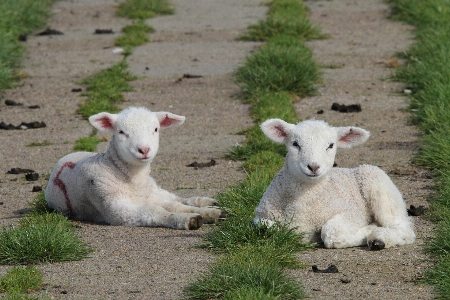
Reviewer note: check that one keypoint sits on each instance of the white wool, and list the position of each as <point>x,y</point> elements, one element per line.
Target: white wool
<point>341,207</point>
<point>115,187</point>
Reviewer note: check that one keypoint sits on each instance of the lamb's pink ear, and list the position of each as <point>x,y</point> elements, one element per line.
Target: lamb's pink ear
<point>351,136</point>
<point>167,119</point>
<point>276,129</point>
<point>103,121</point>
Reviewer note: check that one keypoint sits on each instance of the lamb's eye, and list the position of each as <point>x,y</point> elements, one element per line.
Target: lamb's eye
<point>156,129</point>
<point>296,145</point>
<point>330,146</point>
<point>122,132</point>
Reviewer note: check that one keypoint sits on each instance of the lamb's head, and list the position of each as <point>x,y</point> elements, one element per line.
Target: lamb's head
<point>312,144</point>
<point>135,131</point>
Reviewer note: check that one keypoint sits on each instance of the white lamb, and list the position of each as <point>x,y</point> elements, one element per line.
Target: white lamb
<point>341,207</point>
<point>115,187</point>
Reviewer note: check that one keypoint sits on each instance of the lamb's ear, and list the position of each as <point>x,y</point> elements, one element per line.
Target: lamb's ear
<point>276,129</point>
<point>103,121</point>
<point>351,136</point>
<point>167,119</point>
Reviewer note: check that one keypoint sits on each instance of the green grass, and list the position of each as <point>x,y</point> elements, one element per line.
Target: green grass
<point>243,274</point>
<point>144,9</point>
<point>283,64</point>
<point>21,280</point>
<point>427,74</point>
<point>282,21</point>
<point>17,17</point>
<point>39,144</point>
<point>41,238</point>
<point>39,205</point>
<point>134,35</point>
<point>87,143</point>
<point>104,90</point>
<point>254,258</point>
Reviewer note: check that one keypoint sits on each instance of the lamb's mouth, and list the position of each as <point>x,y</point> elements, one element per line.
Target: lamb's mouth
<point>311,175</point>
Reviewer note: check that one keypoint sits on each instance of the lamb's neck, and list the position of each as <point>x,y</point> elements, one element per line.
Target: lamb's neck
<point>132,172</point>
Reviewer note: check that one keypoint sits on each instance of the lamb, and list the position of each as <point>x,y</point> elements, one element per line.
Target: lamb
<point>340,207</point>
<point>115,187</point>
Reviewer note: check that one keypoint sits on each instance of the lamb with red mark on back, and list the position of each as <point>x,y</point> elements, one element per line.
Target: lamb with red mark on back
<point>115,187</point>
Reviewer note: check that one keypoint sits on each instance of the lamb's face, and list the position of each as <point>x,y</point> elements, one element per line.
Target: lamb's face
<point>135,131</point>
<point>311,149</point>
<point>136,136</point>
<point>312,144</point>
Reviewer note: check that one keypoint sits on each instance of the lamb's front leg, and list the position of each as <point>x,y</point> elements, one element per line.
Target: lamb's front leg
<point>127,214</point>
<point>199,205</point>
<point>198,201</point>
<point>342,232</point>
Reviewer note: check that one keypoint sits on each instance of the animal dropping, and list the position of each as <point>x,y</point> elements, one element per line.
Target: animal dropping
<point>115,187</point>
<point>340,207</point>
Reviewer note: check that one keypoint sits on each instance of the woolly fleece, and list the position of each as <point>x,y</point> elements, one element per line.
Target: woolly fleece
<point>115,187</point>
<point>340,207</point>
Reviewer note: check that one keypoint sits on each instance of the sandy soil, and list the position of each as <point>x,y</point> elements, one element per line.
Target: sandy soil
<point>149,263</point>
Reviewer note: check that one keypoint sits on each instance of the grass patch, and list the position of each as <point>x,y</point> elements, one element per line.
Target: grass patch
<point>285,17</point>
<point>254,258</point>
<point>88,143</point>
<point>245,273</point>
<point>39,205</point>
<point>266,106</point>
<point>40,238</point>
<point>284,64</point>
<point>21,280</point>
<point>144,9</point>
<point>39,144</point>
<point>134,35</point>
<point>104,90</point>
<point>17,17</point>
<point>427,75</point>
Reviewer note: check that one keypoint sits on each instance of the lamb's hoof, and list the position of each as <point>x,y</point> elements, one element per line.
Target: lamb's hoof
<point>376,245</point>
<point>223,215</point>
<point>195,223</point>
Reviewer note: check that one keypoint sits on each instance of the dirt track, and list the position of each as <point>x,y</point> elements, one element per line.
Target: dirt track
<point>144,263</point>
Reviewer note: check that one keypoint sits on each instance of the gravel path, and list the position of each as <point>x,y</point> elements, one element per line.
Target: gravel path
<point>144,263</point>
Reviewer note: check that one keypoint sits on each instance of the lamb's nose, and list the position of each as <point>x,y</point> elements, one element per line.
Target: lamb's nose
<point>144,150</point>
<point>313,167</point>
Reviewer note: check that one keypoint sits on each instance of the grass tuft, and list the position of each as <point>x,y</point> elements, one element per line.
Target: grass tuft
<point>244,273</point>
<point>87,143</point>
<point>41,238</point>
<point>427,74</point>
<point>39,144</point>
<point>282,65</point>
<point>285,17</point>
<point>134,35</point>
<point>16,18</point>
<point>20,280</point>
<point>144,9</point>
<point>104,90</point>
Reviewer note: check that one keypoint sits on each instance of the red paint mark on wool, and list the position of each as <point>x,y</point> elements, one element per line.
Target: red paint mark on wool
<point>62,186</point>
